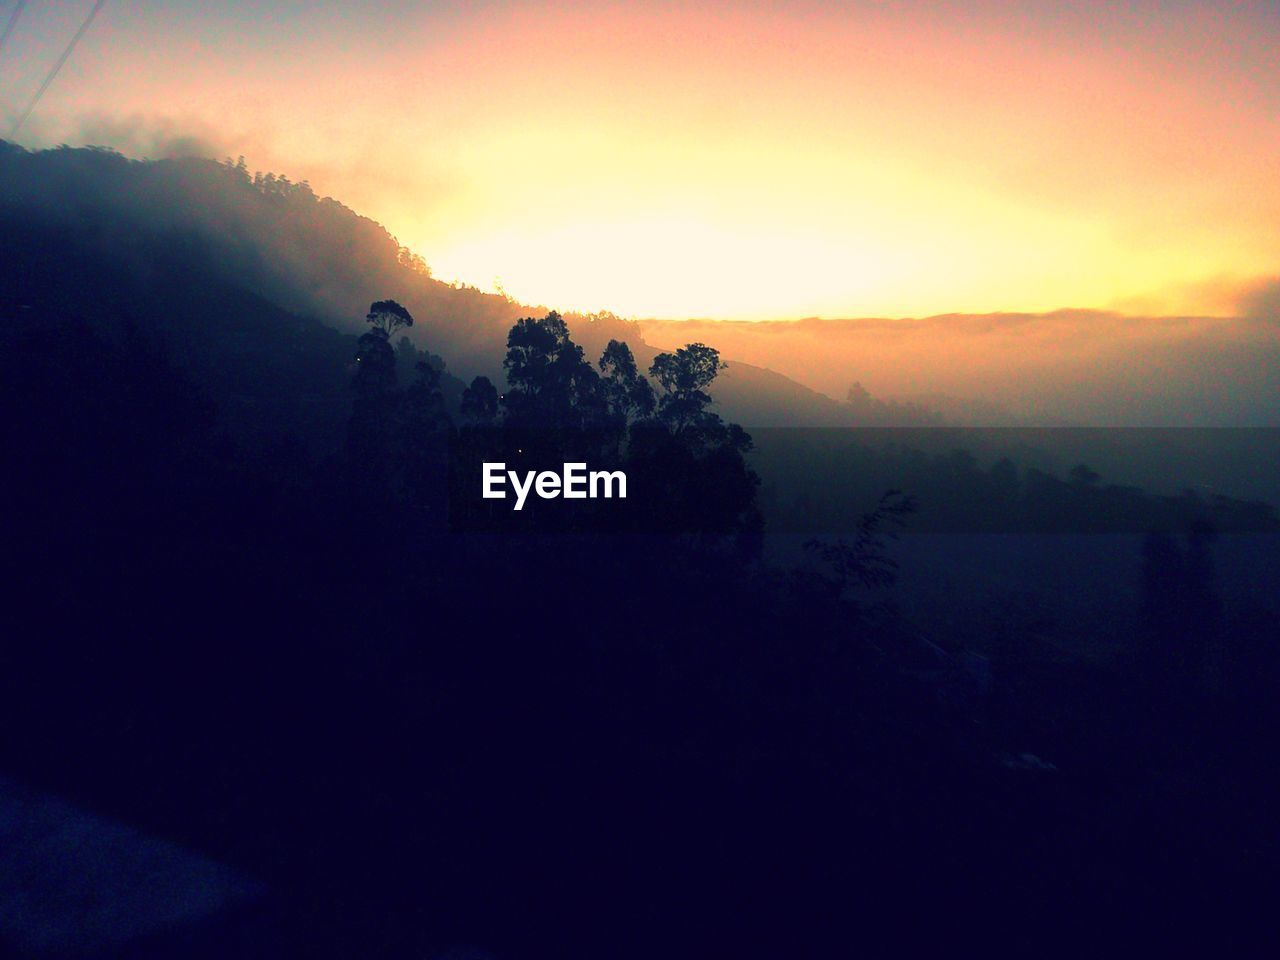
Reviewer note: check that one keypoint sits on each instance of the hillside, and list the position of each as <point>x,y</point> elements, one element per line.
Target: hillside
<point>241,272</point>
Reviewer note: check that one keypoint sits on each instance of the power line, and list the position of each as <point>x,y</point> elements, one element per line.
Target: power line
<point>13,22</point>
<point>53,73</point>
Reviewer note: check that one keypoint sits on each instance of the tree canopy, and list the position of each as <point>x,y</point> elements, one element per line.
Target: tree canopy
<point>387,316</point>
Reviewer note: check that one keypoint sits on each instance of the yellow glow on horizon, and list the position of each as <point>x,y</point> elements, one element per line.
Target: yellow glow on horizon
<point>759,161</point>
<point>676,266</point>
<point>665,174</point>
<point>716,231</point>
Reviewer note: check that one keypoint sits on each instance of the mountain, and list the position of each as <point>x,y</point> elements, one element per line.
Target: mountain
<point>259,285</point>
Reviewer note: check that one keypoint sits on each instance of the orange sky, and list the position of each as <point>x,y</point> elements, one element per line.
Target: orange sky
<point>748,160</point>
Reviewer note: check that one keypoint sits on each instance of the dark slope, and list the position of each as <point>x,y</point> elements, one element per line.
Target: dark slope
<point>269,371</point>
<point>304,254</point>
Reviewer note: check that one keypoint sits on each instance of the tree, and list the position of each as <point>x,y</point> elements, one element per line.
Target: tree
<point>375,374</point>
<point>387,316</point>
<point>684,377</point>
<point>837,568</point>
<point>480,402</point>
<point>422,404</point>
<point>372,409</point>
<point>549,384</point>
<point>535,348</point>
<point>690,459</point>
<point>858,396</point>
<point>421,433</point>
<point>628,394</point>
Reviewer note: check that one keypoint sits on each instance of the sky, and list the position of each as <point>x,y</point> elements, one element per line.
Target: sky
<point>714,160</point>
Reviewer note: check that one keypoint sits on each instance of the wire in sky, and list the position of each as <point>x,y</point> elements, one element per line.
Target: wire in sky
<point>66,54</point>
<point>13,22</point>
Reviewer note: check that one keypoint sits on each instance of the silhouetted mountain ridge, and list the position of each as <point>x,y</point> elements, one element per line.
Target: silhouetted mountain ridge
<point>230,250</point>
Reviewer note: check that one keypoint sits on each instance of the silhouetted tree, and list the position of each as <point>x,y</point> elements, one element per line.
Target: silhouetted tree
<point>388,316</point>
<point>684,377</point>
<point>549,384</point>
<point>480,402</point>
<point>421,438</point>
<point>375,375</point>
<point>835,568</point>
<point>371,428</point>
<point>689,460</point>
<point>857,395</point>
<point>629,395</point>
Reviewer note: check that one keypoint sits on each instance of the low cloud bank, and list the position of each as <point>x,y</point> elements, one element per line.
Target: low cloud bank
<point>1072,366</point>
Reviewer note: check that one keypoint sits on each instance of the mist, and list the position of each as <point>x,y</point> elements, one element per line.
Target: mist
<point>1078,367</point>
<point>315,256</point>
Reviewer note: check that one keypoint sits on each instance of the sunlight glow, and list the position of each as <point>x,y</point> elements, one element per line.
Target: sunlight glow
<point>751,160</point>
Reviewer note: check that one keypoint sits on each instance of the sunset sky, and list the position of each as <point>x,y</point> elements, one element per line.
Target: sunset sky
<point>715,160</point>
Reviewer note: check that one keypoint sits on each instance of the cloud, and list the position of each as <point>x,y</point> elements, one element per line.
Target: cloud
<point>1078,366</point>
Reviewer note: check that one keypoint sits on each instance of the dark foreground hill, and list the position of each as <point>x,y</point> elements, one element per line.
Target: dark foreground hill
<point>410,742</point>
